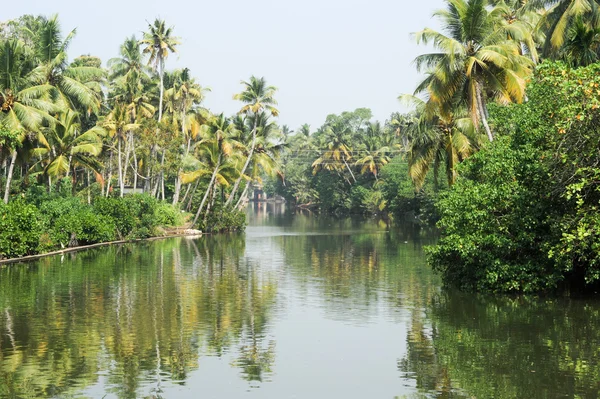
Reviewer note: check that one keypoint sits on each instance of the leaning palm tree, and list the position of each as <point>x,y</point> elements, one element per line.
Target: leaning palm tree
<point>158,42</point>
<point>217,145</point>
<point>25,105</point>
<point>475,59</point>
<point>184,98</point>
<point>259,98</point>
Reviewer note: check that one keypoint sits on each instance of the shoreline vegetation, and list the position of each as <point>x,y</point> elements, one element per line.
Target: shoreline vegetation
<point>499,150</point>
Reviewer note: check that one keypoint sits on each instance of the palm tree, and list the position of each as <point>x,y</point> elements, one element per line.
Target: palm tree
<point>559,18</point>
<point>475,59</point>
<point>118,125</point>
<point>76,87</point>
<point>159,42</point>
<point>443,136</point>
<point>25,105</point>
<point>583,45</point>
<point>338,152</point>
<point>375,153</point>
<point>216,146</point>
<point>184,96</point>
<point>60,148</point>
<point>258,98</point>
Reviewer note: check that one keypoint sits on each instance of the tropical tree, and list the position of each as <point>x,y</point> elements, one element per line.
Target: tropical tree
<point>184,98</point>
<point>375,153</point>
<point>559,18</point>
<point>158,42</point>
<point>217,145</point>
<point>25,104</point>
<point>582,47</point>
<point>338,152</point>
<point>258,98</point>
<point>475,59</point>
<point>76,87</point>
<point>118,126</point>
<point>443,136</point>
<point>62,147</point>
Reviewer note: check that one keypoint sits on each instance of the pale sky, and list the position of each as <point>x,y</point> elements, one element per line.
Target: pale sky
<point>324,56</point>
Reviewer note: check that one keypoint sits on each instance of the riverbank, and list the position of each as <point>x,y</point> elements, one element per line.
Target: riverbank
<point>185,232</point>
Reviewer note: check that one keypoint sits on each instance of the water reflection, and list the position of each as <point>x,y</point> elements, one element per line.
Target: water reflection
<point>138,315</point>
<point>299,306</point>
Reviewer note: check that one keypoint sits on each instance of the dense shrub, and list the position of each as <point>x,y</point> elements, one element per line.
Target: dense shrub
<point>219,221</point>
<point>524,214</point>
<point>20,229</point>
<point>70,222</point>
<point>168,215</point>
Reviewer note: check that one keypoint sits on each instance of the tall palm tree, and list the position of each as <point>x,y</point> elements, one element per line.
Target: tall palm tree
<point>475,59</point>
<point>158,42</point>
<point>25,105</point>
<point>217,145</point>
<point>118,126</point>
<point>258,98</point>
<point>375,153</point>
<point>183,97</point>
<point>582,47</point>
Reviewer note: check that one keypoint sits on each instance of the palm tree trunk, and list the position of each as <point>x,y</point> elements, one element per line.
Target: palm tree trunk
<point>481,108</point>
<point>188,206</point>
<point>239,179</point>
<point>180,171</point>
<point>242,197</point>
<point>187,192</point>
<point>11,167</point>
<point>161,74</point>
<point>349,170</point>
<point>120,165</point>
<point>212,181</point>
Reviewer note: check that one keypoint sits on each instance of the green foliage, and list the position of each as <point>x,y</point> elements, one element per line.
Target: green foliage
<point>69,222</point>
<point>20,229</point>
<point>524,214</point>
<point>220,221</point>
<point>167,215</point>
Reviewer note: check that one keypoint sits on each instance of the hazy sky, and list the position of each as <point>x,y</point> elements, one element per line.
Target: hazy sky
<point>324,56</point>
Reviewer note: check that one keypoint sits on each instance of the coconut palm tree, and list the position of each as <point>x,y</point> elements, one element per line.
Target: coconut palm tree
<point>443,136</point>
<point>476,58</point>
<point>582,47</point>
<point>184,96</point>
<point>374,153</point>
<point>158,42</point>
<point>559,18</point>
<point>62,147</point>
<point>25,105</point>
<point>217,145</point>
<point>338,152</point>
<point>118,126</point>
<point>258,98</point>
<point>76,87</point>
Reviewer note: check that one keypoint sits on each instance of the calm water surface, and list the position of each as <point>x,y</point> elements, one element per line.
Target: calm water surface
<point>298,307</point>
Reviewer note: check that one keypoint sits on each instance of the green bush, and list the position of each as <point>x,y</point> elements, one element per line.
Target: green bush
<point>168,215</point>
<point>20,229</point>
<point>71,222</point>
<point>524,215</point>
<point>219,221</point>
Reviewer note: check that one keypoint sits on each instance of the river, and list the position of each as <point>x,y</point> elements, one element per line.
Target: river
<point>297,307</point>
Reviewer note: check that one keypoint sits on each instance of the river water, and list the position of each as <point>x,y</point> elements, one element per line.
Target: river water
<point>297,307</point>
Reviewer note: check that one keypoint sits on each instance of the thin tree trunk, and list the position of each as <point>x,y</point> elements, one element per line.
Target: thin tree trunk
<point>120,166</point>
<point>212,180</point>
<point>481,108</point>
<point>189,204</point>
<point>187,191</point>
<point>89,189</point>
<point>180,171</point>
<point>109,177</point>
<point>11,167</point>
<point>242,197</point>
<point>237,182</point>
<point>349,170</point>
